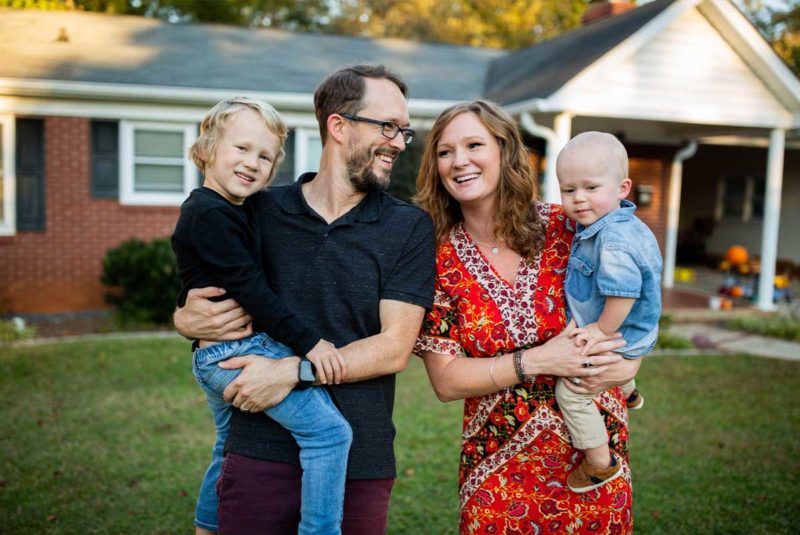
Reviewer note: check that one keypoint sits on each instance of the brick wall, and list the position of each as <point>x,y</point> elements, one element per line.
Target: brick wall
<point>58,269</point>
<point>652,166</point>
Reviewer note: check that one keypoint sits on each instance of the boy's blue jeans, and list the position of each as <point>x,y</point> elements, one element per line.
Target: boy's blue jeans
<point>321,432</point>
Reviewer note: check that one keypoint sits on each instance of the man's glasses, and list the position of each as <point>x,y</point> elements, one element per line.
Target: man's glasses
<point>388,129</point>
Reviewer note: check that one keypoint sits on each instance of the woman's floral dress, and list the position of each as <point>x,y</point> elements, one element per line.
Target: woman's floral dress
<point>516,451</point>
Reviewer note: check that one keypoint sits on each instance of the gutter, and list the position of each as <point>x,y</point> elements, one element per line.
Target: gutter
<point>190,96</point>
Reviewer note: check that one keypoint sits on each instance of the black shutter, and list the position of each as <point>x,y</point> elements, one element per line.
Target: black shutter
<point>285,174</point>
<point>30,174</point>
<point>105,159</point>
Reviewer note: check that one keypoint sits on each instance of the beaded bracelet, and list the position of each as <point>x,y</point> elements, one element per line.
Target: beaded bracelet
<point>518,367</point>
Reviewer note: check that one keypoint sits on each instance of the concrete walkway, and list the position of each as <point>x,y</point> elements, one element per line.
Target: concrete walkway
<point>727,341</point>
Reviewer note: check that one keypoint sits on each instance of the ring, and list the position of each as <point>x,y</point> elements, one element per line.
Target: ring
<point>576,380</point>
<point>587,363</point>
<point>244,409</point>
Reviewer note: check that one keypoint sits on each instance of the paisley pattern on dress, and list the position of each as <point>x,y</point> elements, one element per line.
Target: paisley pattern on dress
<point>516,451</point>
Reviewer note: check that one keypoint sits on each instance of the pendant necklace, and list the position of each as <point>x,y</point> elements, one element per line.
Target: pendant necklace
<point>494,248</point>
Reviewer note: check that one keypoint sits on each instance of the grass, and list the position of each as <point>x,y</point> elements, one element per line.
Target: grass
<point>113,437</point>
<point>783,326</point>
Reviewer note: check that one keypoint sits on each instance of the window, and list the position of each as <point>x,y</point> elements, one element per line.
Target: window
<point>307,151</point>
<point>155,168</point>
<point>7,182</point>
<point>741,198</point>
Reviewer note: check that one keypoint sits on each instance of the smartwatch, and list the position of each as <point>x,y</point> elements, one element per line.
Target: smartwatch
<point>306,373</point>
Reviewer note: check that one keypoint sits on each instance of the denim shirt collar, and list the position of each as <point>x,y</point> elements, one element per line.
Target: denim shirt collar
<point>623,213</point>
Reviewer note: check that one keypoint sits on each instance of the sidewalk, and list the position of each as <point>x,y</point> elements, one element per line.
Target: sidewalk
<point>728,341</point>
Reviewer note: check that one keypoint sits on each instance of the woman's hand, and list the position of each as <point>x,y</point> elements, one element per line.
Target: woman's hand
<point>561,356</point>
<point>614,374</point>
<point>203,319</point>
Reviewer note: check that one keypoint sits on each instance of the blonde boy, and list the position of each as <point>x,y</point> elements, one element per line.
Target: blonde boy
<point>218,241</point>
<point>612,285</point>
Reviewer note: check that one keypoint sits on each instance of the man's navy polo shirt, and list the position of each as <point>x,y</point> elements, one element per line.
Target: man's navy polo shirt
<point>333,276</point>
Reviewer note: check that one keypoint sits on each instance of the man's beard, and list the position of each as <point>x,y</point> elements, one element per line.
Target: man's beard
<point>360,171</point>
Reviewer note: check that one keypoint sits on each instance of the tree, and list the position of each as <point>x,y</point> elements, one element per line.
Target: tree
<point>490,23</point>
<point>779,23</point>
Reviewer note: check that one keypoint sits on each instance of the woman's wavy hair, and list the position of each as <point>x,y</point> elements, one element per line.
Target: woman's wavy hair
<point>516,218</point>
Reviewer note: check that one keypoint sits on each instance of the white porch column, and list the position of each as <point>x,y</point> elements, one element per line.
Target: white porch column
<point>562,126</point>
<point>674,212</point>
<point>772,214</point>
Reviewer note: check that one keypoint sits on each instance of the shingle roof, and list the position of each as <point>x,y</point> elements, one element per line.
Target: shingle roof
<point>540,70</point>
<point>142,51</point>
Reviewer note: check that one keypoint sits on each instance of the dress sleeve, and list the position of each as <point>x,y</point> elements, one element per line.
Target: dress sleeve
<point>440,330</point>
<point>223,241</point>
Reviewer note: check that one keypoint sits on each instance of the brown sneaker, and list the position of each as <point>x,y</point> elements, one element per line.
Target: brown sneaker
<point>587,477</point>
<point>635,401</point>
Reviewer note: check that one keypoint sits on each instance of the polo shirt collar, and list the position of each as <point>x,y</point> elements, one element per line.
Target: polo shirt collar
<point>369,209</point>
<point>623,213</point>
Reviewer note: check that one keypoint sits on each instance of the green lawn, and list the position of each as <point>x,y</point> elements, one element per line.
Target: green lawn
<point>113,437</point>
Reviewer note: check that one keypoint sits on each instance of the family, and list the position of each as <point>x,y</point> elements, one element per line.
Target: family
<point>305,301</point>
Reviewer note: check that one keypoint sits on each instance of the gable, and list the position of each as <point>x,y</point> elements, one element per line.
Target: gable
<point>686,73</point>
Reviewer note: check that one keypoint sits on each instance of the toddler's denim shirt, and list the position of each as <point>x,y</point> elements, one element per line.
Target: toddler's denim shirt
<point>617,255</point>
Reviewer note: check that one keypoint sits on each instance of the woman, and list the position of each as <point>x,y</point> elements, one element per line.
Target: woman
<point>501,261</point>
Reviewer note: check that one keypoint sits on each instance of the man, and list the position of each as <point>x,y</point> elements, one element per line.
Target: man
<point>357,263</point>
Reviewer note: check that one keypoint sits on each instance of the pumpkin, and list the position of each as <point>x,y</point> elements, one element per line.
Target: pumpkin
<point>737,255</point>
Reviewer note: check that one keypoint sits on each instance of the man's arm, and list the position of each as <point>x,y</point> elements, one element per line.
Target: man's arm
<point>264,383</point>
<point>203,319</point>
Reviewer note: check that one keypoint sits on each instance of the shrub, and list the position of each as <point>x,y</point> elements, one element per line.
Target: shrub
<point>776,326</point>
<point>141,280</point>
<point>667,340</point>
<point>14,330</point>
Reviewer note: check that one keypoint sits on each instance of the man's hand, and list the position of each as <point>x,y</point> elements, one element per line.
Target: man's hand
<point>330,364</point>
<point>203,319</point>
<point>263,382</point>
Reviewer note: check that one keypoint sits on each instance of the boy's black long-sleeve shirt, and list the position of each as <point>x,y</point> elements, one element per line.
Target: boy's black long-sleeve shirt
<point>218,243</point>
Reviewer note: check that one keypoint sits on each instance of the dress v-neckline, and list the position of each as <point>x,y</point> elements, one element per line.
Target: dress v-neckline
<point>512,285</point>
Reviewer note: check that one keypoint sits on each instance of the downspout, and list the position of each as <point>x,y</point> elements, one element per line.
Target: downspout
<point>673,212</point>
<point>555,142</point>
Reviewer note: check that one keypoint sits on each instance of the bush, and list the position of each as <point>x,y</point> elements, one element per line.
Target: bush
<point>667,340</point>
<point>141,281</point>
<point>14,330</point>
<point>777,326</point>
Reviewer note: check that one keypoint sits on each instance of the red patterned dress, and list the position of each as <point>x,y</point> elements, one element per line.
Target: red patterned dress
<point>516,451</point>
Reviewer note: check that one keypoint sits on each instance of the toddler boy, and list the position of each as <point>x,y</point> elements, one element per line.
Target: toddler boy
<point>613,284</point>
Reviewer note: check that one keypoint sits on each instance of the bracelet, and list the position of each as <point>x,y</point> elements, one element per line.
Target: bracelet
<point>491,373</point>
<point>518,367</point>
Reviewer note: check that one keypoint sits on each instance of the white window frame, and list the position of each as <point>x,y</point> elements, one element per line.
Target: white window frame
<point>8,227</point>
<point>127,162</point>
<point>302,138</point>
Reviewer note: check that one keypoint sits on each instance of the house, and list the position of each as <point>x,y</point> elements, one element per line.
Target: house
<point>97,111</point>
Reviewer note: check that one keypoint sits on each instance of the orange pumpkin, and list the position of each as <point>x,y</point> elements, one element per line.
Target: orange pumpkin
<point>737,255</point>
<point>736,291</point>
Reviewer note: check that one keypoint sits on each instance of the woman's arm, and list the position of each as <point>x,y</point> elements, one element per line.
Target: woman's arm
<point>458,378</point>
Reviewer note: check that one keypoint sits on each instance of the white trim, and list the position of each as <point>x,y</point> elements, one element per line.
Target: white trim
<point>142,95</point>
<point>8,227</point>
<point>754,49</point>
<point>302,138</point>
<point>127,161</point>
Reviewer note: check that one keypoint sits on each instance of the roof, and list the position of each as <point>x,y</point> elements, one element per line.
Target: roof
<point>115,49</point>
<point>540,70</point>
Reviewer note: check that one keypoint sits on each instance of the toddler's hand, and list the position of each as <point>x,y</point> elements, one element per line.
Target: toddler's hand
<point>330,364</point>
<point>590,336</point>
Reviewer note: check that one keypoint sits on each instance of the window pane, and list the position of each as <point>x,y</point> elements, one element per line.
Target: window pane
<point>733,205</point>
<point>314,153</point>
<point>158,178</point>
<point>759,187</point>
<point>158,143</point>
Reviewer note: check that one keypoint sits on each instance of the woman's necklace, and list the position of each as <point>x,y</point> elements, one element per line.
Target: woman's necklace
<point>494,248</point>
